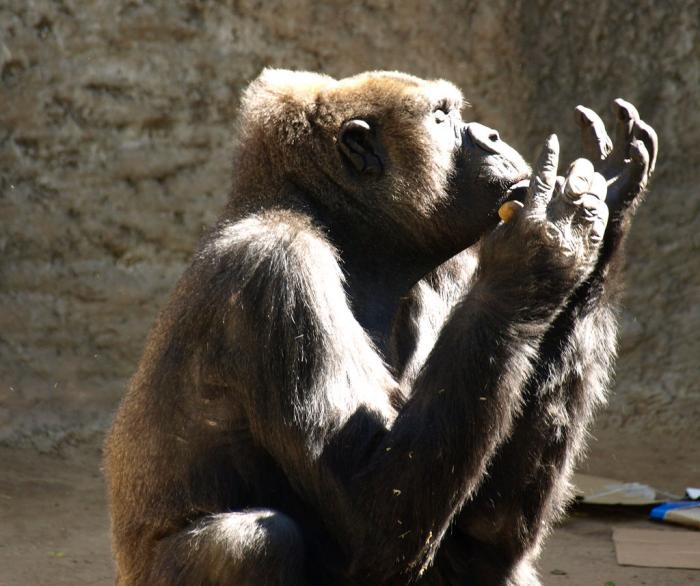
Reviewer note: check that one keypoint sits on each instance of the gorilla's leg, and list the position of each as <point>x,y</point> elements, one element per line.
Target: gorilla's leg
<point>248,548</point>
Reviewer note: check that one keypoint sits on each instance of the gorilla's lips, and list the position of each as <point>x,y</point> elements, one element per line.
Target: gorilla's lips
<point>517,191</point>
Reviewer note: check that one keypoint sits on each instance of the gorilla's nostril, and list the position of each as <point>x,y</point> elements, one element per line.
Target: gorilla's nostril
<point>484,137</point>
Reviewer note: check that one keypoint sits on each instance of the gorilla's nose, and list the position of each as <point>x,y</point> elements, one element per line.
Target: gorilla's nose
<point>484,137</point>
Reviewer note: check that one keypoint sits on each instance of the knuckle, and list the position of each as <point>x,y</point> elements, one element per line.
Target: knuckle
<point>590,203</point>
<point>540,185</point>
<point>577,184</point>
<point>554,236</point>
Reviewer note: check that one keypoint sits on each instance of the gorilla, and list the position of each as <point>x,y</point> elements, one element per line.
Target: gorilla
<point>381,364</point>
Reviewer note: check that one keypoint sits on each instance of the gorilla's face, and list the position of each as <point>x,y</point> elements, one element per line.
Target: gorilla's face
<point>424,169</point>
<point>483,168</point>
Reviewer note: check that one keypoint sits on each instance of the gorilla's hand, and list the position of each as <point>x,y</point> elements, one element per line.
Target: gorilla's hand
<point>628,164</point>
<point>566,217</point>
<point>550,243</point>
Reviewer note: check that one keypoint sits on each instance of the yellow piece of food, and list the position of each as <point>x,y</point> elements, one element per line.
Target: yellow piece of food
<point>508,210</point>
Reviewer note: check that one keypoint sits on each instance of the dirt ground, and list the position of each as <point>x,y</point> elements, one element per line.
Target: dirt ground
<point>54,524</point>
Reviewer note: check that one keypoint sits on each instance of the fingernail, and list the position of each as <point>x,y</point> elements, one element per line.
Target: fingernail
<point>621,111</point>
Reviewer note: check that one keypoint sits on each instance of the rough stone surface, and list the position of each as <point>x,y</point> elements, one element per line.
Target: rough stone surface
<point>115,124</point>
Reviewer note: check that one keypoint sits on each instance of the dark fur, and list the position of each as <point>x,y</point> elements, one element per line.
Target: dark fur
<point>332,378</point>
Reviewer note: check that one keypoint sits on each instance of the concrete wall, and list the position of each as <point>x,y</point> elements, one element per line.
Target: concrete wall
<point>115,124</point>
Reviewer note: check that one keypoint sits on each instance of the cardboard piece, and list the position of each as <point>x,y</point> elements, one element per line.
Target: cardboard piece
<point>681,512</point>
<point>654,548</point>
<point>688,517</point>
<point>597,490</point>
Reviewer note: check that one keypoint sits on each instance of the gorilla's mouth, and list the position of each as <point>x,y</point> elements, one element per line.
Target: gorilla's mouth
<point>518,190</point>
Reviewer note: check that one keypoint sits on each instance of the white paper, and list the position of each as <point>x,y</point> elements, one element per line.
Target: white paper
<point>693,493</point>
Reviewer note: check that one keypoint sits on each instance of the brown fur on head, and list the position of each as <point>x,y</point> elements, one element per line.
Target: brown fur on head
<point>291,126</point>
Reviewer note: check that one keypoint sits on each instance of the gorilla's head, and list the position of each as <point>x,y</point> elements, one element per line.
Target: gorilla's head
<point>385,153</point>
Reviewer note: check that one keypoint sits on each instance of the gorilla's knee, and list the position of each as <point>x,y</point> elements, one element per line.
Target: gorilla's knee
<point>261,533</point>
<point>259,546</point>
<point>246,548</point>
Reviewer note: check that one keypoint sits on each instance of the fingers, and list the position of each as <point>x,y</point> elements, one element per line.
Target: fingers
<point>581,202</point>
<point>559,184</point>
<point>637,173</point>
<point>597,145</point>
<point>599,187</point>
<point>640,155</point>
<point>594,211</point>
<point>626,189</point>
<point>593,214</point>
<point>596,142</point>
<point>578,179</point>
<point>642,131</point>
<point>626,115</point>
<point>544,179</point>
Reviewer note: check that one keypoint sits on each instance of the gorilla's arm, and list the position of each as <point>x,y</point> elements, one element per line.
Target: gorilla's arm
<point>528,475</point>
<point>423,311</point>
<point>528,481</point>
<point>528,478</point>
<point>386,484</point>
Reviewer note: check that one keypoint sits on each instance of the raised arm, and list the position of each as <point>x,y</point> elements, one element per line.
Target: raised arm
<point>572,370</point>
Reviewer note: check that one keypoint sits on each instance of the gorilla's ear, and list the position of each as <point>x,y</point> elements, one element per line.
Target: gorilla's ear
<point>361,148</point>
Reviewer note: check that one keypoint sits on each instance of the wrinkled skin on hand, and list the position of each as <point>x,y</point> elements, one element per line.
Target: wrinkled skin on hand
<point>565,219</point>
<point>628,164</point>
<point>551,243</point>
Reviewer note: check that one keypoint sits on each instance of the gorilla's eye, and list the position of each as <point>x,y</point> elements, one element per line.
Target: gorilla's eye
<point>441,112</point>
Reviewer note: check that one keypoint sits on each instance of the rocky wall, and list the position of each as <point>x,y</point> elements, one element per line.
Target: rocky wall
<point>115,126</point>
